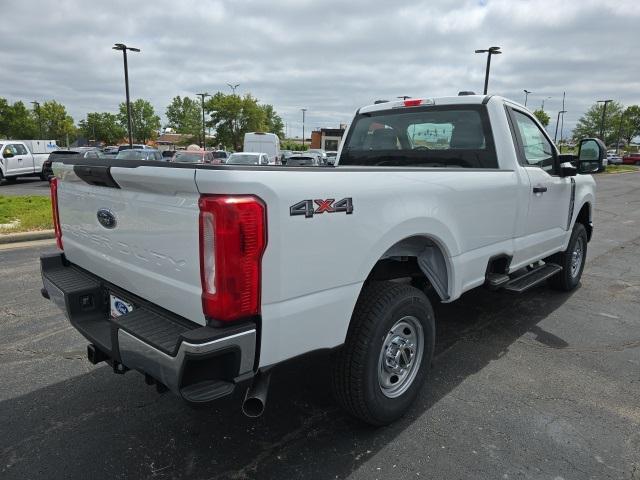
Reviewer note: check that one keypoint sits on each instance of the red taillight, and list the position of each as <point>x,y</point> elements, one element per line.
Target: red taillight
<point>412,102</point>
<point>232,240</point>
<point>54,208</point>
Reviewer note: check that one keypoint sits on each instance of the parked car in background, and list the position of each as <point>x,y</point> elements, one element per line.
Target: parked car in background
<point>631,159</point>
<point>248,158</point>
<point>219,156</point>
<point>88,152</point>
<point>168,154</point>
<point>141,154</point>
<point>110,150</point>
<point>260,142</point>
<point>322,155</point>
<point>331,157</point>
<point>304,160</point>
<point>614,159</point>
<point>135,146</point>
<point>24,158</point>
<point>192,156</point>
<point>284,156</point>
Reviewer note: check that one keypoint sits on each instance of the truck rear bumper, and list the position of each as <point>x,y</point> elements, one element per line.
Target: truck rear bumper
<point>198,363</point>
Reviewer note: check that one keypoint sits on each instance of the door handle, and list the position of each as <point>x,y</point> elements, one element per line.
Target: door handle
<point>539,189</point>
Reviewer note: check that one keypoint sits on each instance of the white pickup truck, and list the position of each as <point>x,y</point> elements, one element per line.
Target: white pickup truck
<point>24,158</point>
<point>204,277</point>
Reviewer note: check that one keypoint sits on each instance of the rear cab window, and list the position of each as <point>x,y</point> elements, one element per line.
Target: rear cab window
<point>448,136</point>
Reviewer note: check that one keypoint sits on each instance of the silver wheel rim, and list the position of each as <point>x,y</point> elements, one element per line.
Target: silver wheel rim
<point>576,257</point>
<point>400,357</point>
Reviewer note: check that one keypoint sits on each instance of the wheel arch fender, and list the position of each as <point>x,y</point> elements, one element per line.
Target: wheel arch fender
<point>431,242</point>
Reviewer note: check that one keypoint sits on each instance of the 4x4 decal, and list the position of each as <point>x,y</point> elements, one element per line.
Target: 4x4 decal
<point>309,208</point>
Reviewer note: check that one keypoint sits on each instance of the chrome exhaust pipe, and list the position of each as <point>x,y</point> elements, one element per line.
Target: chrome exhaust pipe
<point>256,397</point>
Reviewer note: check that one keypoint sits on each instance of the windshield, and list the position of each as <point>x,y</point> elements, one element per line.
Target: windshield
<point>243,159</point>
<point>188,157</point>
<point>430,137</point>
<point>135,155</point>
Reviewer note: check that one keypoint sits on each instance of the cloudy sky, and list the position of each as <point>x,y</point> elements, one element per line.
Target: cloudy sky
<point>327,56</point>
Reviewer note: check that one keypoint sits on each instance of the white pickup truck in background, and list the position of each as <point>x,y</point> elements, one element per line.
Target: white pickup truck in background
<point>204,277</point>
<point>22,158</point>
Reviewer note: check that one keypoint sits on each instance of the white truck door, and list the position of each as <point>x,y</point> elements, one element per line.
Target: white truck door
<point>14,165</point>
<point>549,194</point>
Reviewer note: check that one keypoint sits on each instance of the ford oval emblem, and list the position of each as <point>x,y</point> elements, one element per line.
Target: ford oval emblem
<point>106,218</point>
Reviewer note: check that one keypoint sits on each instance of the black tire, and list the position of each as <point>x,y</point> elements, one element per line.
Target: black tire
<point>11,179</point>
<point>356,378</point>
<point>569,277</point>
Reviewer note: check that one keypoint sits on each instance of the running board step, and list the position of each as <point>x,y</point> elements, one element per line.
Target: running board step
<point>532,278</point>
<point>206,391</point>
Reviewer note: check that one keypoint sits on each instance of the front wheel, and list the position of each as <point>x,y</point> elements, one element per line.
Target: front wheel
<point>572,260</point>
<point>379,370</point>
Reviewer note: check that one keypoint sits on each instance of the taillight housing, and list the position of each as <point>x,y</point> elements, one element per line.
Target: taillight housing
<point>53,185</point>
<point>233,237</point>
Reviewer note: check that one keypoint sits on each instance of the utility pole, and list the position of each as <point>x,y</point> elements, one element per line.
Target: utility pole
<point>489,51</point>
<point>122,47</point>
<point>526,96</point>
<point>36,107</point>
<point>604,113</point>
<point>233,87</point>
<point>303,112</point>
<point>204,138</point>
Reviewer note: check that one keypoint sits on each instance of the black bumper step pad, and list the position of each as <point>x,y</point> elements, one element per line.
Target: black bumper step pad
<point>532,278</point>
<point>153,328</point>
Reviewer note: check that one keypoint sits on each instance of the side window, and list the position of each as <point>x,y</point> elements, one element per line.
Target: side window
<point>537,151</point>
<point>19,149</point>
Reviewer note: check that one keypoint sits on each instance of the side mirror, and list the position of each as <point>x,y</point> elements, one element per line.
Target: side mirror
<point>8,154</point>
<point>591,154</point>
<point>568,170</point>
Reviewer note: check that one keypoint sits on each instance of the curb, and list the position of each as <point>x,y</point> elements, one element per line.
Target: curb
<point>26,236</point>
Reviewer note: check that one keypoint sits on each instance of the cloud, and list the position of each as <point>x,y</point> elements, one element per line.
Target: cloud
<point>330,57</point>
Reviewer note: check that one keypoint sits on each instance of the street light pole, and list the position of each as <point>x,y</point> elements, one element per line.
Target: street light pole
<point>303,112</point>
<point>604,112</point>
<point>36,107</point>
<point>122,47</point>
<point>561,112</point>
<point>526,96</point>
<point>542,106</point>
<point>489,51</point>
<point>619,132</point>
<point>204,139</point>
<point>233,87</point>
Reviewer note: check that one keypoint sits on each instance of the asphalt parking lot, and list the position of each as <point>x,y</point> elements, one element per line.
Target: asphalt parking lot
<point>538,386</point>
<point>25,186</point>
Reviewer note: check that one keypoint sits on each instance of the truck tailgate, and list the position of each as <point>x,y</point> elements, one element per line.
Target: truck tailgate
<point>152,250</point>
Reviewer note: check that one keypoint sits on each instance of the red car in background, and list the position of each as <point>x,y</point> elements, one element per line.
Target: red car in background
<point>631,159</point>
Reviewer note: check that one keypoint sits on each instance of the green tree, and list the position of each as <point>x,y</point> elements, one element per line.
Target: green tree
<point>185,116</point>
<point>542,117</point>
<point>102,127</point>
<point>16,121</point>
<point>590,123</point>
<point>273,122</point>
<point>232,116</point>
<point>56,123</point>
<point>145,122</point>
<point>631,123</point>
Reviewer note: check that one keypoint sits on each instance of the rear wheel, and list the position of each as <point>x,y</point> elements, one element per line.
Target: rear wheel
<point>572,260</point>
<point>378,372</point>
